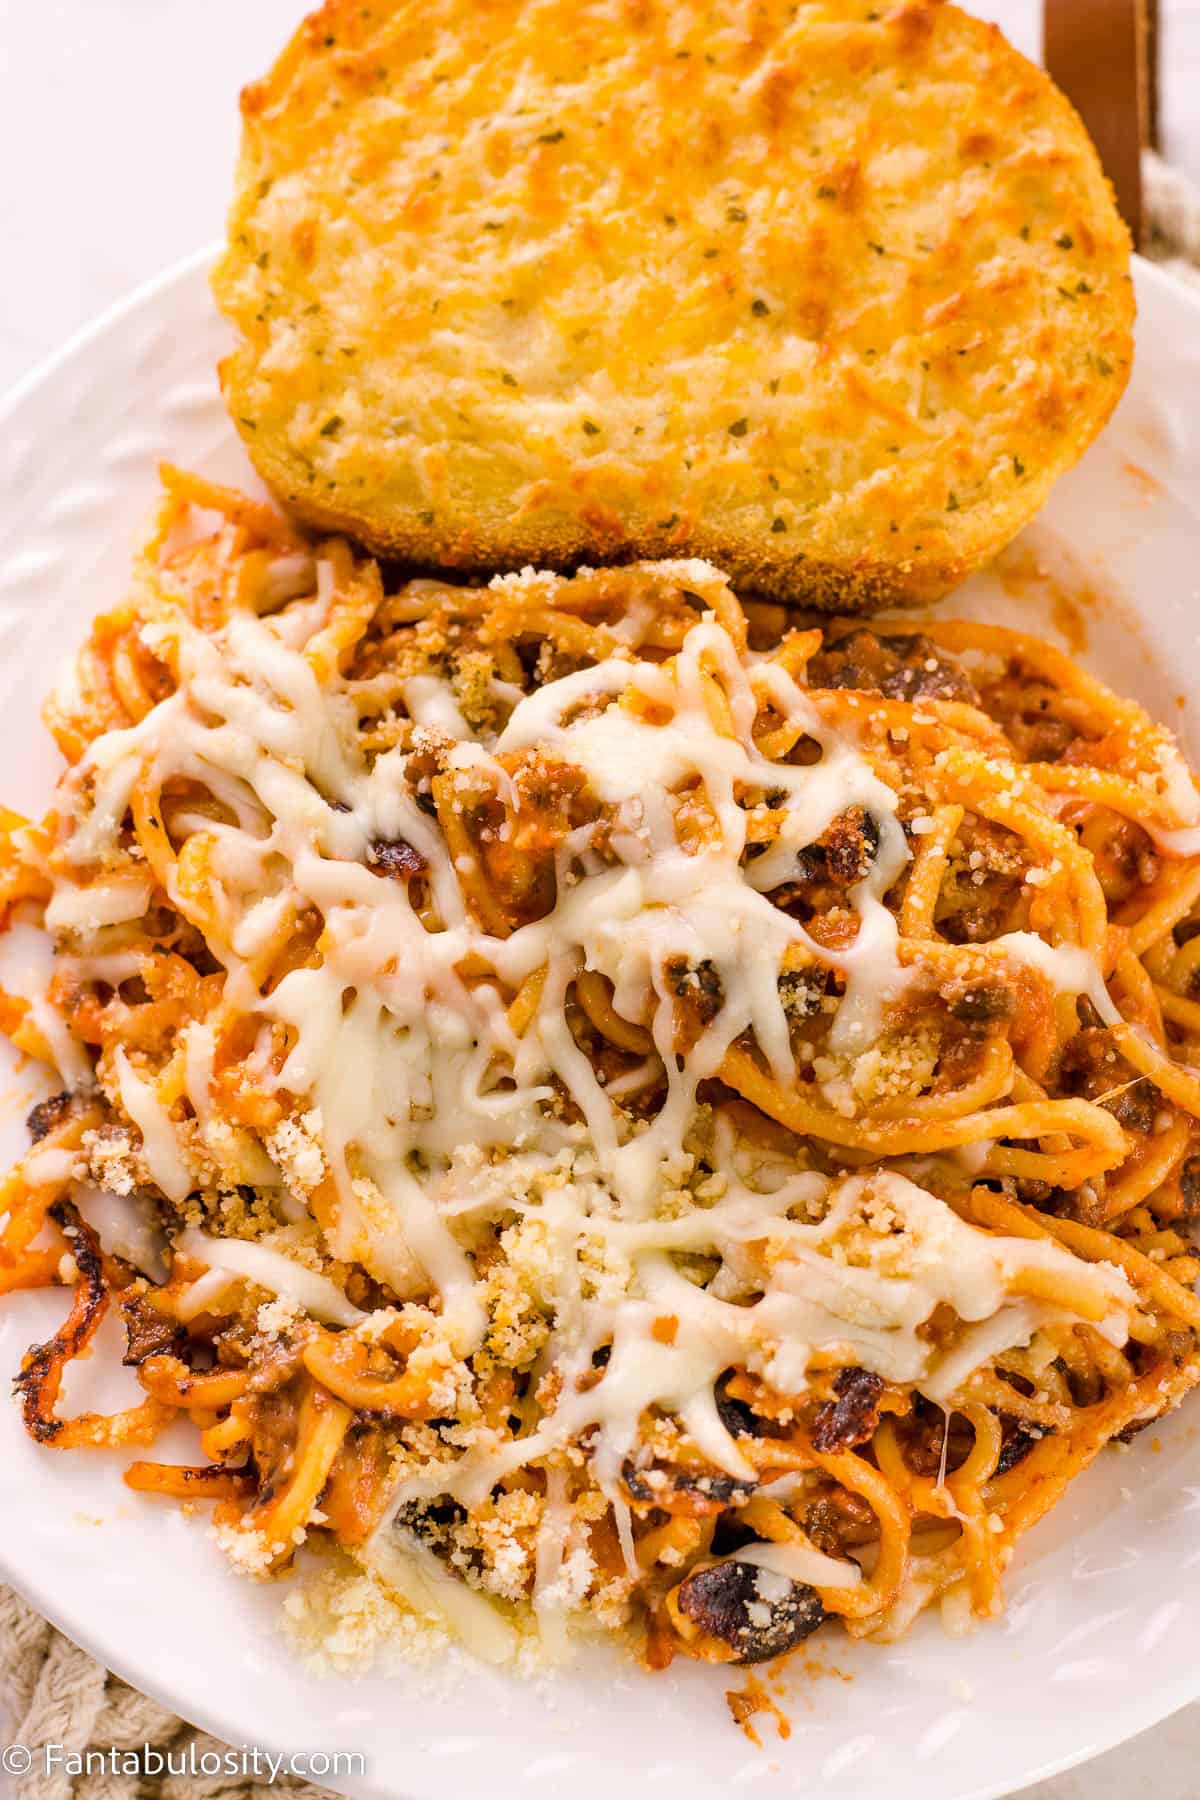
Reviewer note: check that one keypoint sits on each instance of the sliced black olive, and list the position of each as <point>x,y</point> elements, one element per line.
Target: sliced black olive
<point>46,1115</point>
<point>738,1419</point>
<point>802,991</point>
<point>698,1495</point>
<point>1015,1446</point>
<point>756,1612</point>
<point>698,984</point>
<point>869,835</point>
<point>432,1521</point>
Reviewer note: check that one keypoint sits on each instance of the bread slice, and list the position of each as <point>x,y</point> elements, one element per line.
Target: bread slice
<point>827,292</point>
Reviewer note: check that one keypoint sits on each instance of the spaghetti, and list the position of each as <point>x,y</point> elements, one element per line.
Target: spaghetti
<point>647,1115</point>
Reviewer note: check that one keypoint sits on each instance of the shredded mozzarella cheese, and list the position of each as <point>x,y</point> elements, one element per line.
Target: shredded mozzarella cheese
<point>414,1071</point>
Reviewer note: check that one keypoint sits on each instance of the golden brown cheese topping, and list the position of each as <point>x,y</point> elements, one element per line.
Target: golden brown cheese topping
<point>829,293</point>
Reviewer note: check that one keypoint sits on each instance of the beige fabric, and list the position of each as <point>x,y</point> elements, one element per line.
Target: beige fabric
<point>53,1692</point>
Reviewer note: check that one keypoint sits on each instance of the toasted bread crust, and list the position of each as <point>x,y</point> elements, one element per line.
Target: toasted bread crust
<point>830,295</point>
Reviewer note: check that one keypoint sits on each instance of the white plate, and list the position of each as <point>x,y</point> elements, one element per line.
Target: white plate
<point>1102,1633</point>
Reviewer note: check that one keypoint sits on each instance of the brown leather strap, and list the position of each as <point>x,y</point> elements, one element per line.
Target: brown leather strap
<point>1103,54</point>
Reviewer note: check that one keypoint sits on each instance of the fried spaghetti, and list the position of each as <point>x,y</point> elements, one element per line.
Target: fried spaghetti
<point>655,1118</point>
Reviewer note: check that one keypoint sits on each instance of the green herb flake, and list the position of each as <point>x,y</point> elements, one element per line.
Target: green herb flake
<point>332,426</point>
<point>824,192</point>
<point>877,248</point>
<point>1018,467</point>
<point>736,215</point>
<point>551,137</point>
<point>1066,241</point>
<point>773,385</point>
<point>1026,232</point>
<point>669,524</point>
<point>592,429</point>
<point>508,380</point>
<point>1103,365</point>
<point>759,308</point>
<point>739,428</point>
<point>709,254</point>
<point>773,480</point>
<point>778,524</point>
<point>426,518</point>
<point>952,501</point>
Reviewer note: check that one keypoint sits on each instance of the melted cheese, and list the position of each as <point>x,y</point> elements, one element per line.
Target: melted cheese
<point>857,1285</point>
<point>103,903</point>
<point>1067,969</point>
<point>799,1561</point>
<point>160,1148</point>
<point>424,1090</point>
<point>402,1058</point>
<point>413,1573</point>
<point>272,1270</point>
<point>126,1226</point>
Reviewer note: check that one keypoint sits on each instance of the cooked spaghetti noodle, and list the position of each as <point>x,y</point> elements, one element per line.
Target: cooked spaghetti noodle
<point>654,1117</point>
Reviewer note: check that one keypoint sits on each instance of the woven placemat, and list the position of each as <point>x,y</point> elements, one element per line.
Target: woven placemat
<point>52,1691</point>
<point>55,1694</point>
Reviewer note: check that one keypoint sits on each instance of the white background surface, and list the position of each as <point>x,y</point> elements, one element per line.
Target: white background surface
<point>118,128</point>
